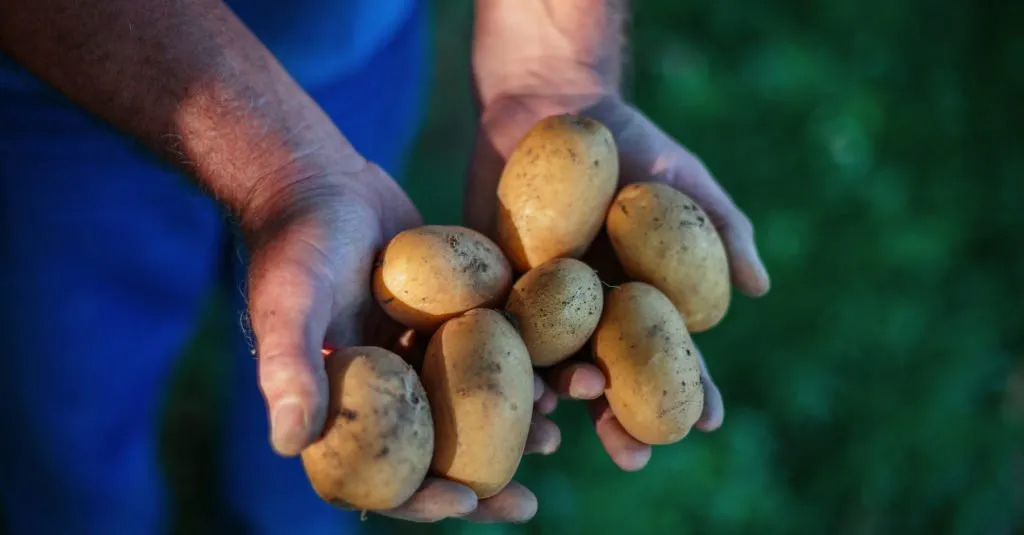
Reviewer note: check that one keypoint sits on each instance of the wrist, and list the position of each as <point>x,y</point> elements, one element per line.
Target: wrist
<point>547,47</point>
<point>506,119</point>
<point>311,192</point>
<point>556,82</point>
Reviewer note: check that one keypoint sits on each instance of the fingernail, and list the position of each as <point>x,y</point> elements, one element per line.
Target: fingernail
<point>288,427</point>
<point>465,505</point>
<point>580,391</point>
<point>639,459</point>
<point>583,389</point>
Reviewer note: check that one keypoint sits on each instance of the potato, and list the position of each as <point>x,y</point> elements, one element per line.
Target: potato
<point>651,365</point>
<point>479,381</point>
<point>555,190</point>
<point>557,306</point>
<point>378,441</point>
<point>429,274</point>
<point>662,237</point>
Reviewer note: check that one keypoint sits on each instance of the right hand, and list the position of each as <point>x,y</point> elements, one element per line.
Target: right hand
<point>313,241</point>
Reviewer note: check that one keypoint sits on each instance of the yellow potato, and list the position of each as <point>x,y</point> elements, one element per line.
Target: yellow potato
<point>379,437</point>
<point>651,364</point>
<point>555,190</point>
<point>557,306</point>
<point>479,381</point>
<point>429,274</point>
<point>662,237</point>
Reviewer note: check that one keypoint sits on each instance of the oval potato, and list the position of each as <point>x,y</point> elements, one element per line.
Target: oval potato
<point>651,365</point>
<point>557,306</point>
<point>662,237</point>
<point>479,381</point>
<point>378,440</point>
<point>429,274</point>
<point>555,190</point>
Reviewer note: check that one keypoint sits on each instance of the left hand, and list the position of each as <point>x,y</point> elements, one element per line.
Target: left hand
<point>646,154</point>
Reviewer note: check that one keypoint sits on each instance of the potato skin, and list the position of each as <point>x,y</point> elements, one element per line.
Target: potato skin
<point>557,306</point>
<point>555,190</point>
<point>479,381</point>
<point>651,365</point>
<point>664,238</point>
<point>377,444</point>
<point>429,274</point>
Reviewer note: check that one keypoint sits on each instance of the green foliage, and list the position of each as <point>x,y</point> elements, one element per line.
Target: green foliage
<point>879,388</point>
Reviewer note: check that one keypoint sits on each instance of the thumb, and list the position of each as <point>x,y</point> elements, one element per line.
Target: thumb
<point>290,309</point>
<point>648,153</point>
<point>687,173</point>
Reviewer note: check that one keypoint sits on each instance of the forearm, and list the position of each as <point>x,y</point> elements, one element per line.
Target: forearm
<point>185,77</point>
<point>537,46</point>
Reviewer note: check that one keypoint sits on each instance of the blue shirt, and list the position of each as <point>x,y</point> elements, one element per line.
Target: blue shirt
<point>317,41</point>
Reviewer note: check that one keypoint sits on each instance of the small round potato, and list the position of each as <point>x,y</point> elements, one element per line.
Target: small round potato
<point>478,378</point>
<point>651,364</point>
<point>557,305</point>
<point>662,237</point>
<point>377,443</point>
<point>555,190</point>
<point>429,274</point>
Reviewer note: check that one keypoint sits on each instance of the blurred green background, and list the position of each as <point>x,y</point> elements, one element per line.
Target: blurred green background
<point>878,147</point>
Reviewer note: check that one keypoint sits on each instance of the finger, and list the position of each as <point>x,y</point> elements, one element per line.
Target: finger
<point>515,503</point>
<point>714,408</point>
<point>690,176</point>
<point>625,451</point>
<point>544,437</point>
<point>290,309</point>
<point>538,387</point>
<point>577,380</point>
<point>436,500</point>
<point>548,401</point>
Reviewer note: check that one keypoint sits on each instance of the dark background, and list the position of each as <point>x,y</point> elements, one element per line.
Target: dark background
<point>878,147</point>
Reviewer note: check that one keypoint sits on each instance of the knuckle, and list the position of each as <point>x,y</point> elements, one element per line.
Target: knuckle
<point>281,375</point>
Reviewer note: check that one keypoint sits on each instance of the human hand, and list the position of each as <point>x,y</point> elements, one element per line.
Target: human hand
<point>313,242</point>
<point>645,154</point>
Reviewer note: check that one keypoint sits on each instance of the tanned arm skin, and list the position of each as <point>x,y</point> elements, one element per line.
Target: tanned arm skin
<point>187,78</point>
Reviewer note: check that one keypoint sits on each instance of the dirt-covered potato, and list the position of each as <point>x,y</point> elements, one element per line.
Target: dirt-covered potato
<point>555,190</point>
<point>429,274</point>
<point>664,238</point>
<point>557,306</point>
<point>379,436</point>
<point>651,365</point>
<point>479,381</point>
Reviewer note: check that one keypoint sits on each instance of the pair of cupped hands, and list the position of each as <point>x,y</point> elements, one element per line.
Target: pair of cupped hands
<point>309,288</point>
